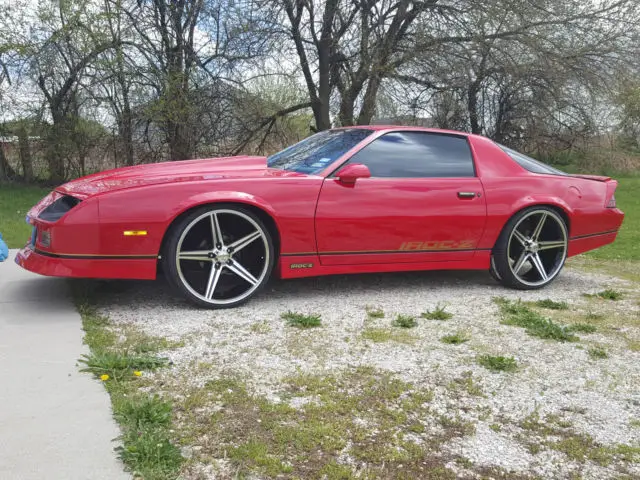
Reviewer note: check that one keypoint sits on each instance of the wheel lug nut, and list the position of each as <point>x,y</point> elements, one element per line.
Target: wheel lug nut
<point>218,264</point>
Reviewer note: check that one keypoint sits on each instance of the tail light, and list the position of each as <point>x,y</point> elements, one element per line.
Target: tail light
<point>612,202</point>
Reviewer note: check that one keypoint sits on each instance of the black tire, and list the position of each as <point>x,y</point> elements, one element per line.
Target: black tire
<point>501,269</point>
<point>173,271</point>
<point>493,272</point>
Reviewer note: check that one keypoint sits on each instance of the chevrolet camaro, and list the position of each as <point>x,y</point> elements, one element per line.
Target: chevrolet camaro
<point>347,200</point>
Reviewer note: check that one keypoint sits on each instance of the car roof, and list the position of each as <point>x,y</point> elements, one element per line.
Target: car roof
<point>404,127</point>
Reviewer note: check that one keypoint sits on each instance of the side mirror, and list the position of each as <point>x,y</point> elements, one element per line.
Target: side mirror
<point>350,173</point>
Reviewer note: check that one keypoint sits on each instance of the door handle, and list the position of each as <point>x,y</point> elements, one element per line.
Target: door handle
<point>466,194</point>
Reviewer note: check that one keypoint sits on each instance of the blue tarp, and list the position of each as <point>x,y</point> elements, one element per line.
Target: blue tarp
<point>4,250</point>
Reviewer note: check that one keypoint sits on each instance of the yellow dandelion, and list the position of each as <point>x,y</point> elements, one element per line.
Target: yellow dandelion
<point>137,373</point>
<point>104,377</point>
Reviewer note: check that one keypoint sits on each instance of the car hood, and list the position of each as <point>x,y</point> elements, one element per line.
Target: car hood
<point>172,172</point>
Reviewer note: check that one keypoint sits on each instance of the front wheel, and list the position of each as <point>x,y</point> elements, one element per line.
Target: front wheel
<point>219,256</point>
<point>531,250</point>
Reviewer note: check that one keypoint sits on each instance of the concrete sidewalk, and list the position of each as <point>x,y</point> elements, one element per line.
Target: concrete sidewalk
<point>55,423</point>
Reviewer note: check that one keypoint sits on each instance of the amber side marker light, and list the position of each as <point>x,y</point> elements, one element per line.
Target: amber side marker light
<point>134,233</point>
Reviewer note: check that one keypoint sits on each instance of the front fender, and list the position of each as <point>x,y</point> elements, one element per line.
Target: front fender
<point>224,196</point>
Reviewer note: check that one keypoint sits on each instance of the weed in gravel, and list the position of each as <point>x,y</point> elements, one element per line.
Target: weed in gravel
<point>439,313</point>
<point>261,327</point>
<point>598,353</point>
<point>256,453</point>
<point>119,365</point>
<point>551,304</point>
<point>581,447</point>
<point>336,471</point>
<point>466,384</point>
<point>590,315</point>
<point>380,335</point>
<point>150,453</point>
<point>140,411</point>
<point>496,427</point>
<point>458,425</point>
<point>97,333</point>
<point>498,363</point>
<point>582,328</point>
<point>464,462</point>
<point>301,320</point>
<point>373,312</point>
<point>557,434</point>
<point>635,423</point>
<point>608,294</point>
<point>518,314</point>
<point>633,345</point>
<point>405,321</point>
<point>455,339</point>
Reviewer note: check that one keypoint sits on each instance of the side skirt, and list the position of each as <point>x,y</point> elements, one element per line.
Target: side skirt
<point>298,266</point>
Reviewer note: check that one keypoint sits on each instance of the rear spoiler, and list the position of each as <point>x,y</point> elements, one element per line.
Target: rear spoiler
<point>597,178</point>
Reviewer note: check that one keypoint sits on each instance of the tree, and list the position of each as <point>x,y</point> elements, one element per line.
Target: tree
<point>349,46</point>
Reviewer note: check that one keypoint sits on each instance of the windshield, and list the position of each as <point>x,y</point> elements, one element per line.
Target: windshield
<point>315,153</point>
<point>531,164</point>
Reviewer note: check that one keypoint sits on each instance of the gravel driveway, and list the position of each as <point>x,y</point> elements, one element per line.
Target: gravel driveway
<point>555,416</point>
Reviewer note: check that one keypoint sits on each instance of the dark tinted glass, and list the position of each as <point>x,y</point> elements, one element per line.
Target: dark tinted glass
<point>531,164</point>
<point>416,154</point>
<point>315,153</point>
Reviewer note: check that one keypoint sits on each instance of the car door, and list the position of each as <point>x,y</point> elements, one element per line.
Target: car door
<point>423,203</point>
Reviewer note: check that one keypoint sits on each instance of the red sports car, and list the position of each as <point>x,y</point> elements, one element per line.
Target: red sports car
<point>348,200</point>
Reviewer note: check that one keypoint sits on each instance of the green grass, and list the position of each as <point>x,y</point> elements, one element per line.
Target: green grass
<point>301,320</point>
<point>455,339</point>
<point>551,304</point>
<point>498,363</point>
<point>536,325</point>
<point>146,421</point>
<point>15,202</point>
<point>405,321</point>
<point>439,313</point>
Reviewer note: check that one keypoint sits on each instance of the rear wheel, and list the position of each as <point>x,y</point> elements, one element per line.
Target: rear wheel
<point>219,256</point>
<point>531,250</point>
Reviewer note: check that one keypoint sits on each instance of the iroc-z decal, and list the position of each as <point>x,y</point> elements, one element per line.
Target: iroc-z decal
<point>438,245</point>
<point>301,265</point>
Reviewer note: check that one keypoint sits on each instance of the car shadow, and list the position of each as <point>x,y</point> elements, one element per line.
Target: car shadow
<point>159,292</point>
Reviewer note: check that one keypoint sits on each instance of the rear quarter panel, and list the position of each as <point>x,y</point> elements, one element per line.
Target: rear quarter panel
<point>510,188</point>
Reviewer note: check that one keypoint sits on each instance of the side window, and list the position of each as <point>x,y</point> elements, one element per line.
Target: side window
<point>417,154</point>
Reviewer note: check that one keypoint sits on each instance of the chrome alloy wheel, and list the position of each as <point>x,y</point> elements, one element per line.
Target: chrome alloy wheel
<point>222,256</point>
<point>537,247</point>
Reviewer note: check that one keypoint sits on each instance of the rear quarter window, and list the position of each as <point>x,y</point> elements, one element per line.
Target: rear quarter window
<point>531,164</point>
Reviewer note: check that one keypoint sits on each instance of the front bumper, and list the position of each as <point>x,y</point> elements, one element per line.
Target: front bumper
<point>53,265</point>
